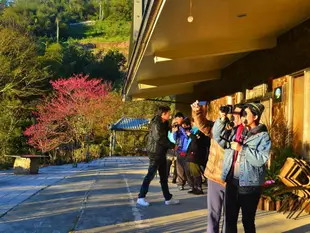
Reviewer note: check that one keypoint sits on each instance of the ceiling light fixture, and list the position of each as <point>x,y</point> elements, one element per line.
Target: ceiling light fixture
<point>190,18</point>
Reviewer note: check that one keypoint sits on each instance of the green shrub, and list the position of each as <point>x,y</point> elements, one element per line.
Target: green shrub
<point>105,29</point>
<point>6,163</point>
<point>95,152</point>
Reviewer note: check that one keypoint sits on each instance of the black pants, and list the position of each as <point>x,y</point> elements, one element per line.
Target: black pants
<point>161,167</point>
<point>194,175</point>
<point>182,171</point>
<point>234,200</point>
<point>169,164</point>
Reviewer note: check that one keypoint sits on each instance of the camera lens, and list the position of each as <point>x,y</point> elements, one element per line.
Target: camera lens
<point>224,109</point>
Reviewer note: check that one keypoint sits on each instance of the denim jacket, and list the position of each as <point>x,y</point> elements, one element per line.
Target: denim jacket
<point>180,138</point>
<point>253,156</point>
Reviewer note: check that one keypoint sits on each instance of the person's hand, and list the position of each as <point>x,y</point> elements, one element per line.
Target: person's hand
<point>236,146</point>
<point>175,129</point>
<point>223,115</point>
<point>188,133</point>
<point>195,106</point>
<point>174,121</point>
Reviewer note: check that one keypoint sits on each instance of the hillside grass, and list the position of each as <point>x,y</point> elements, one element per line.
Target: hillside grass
<point>102,39</point>
<point>101,31</point>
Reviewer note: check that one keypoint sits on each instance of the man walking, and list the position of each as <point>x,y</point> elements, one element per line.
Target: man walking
<point>157,146</point>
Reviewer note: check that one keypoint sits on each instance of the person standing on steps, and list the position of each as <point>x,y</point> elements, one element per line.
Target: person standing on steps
<point>157,147</point>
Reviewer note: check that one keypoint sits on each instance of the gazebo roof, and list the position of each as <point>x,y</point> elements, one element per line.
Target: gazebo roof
<point>135,124</point>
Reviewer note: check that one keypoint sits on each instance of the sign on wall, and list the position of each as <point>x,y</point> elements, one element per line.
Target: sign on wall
<point>277,94</point>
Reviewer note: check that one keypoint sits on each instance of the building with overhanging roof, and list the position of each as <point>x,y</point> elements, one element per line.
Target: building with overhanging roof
<point>226,52</point>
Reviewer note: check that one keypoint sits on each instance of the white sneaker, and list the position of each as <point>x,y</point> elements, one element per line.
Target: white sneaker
<point>142,202</point>
<point>172,202</point>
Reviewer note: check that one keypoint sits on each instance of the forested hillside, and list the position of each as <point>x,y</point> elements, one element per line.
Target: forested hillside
<point>81,43</point>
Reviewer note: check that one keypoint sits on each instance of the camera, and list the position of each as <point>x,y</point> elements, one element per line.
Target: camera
<point>227,109</point>
<point>175,126</point>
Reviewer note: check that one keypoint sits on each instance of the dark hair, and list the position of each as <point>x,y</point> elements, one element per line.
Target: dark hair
<point>256,114</point>
<point>186,121</point>
<point>179,114</point>
<point>162,109</point>
<point>257,110</point>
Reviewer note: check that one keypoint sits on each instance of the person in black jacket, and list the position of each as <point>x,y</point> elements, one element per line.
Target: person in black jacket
<point>196,153</point>
<point>157,146</point>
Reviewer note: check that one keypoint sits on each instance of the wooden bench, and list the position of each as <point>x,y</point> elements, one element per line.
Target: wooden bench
<point>26,164</point>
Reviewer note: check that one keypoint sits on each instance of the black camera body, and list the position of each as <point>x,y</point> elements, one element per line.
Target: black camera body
<point>176,126</point>
<point>227,109</point>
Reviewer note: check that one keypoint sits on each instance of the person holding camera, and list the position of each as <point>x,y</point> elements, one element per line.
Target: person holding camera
<point>181,139</point>
<point>157,146</point>
<point>244,166</point>
<point>213,170</point>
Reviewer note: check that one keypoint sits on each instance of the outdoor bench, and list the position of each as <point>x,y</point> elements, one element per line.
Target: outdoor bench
<point>26,164</point>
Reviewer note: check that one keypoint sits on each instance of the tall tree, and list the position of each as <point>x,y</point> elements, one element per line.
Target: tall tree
<point>21,72</point>
<point>80,107</point>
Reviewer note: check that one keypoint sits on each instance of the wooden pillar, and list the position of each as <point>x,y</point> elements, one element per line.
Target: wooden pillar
<point>111,142</point>
<point>289,110</point>
<point>306,123</point>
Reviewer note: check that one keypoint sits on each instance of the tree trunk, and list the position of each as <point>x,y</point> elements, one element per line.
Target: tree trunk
<point>100,11</point>
<point>57,30</point>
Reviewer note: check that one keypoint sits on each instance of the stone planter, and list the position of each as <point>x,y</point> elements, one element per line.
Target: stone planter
<point>260,205</point>
<point>278,205</point>
<point>269,204</point>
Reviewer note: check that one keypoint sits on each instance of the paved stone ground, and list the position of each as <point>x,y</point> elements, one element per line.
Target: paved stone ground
<point>18,188</point>
<point>100,197</point>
